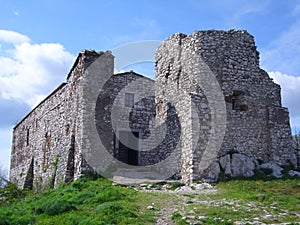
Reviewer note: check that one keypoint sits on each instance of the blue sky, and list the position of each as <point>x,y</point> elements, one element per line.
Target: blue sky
<point>39,40</point>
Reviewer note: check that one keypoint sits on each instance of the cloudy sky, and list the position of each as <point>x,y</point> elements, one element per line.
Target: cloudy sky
<point>39,41</point>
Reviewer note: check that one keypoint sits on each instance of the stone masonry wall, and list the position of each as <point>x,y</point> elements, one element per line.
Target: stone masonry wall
<point>105,116</point>
<point>47,142</point>
<point>253,134</point>
<point>60,139</point>
<point>211,113</point>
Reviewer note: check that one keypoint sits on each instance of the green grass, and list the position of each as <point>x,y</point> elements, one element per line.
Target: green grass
<point>276,201</point>
<point>82,202</point>
<point>97,201</point>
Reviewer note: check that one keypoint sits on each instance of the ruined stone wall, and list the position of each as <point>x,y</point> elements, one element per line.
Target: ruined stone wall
<point>47,142</point>
<point>138,118</point>
<point>212,112</point>
<point>105,115</point>
<point>62,138</point>
<point>114,117</point>
<point>253,135</point>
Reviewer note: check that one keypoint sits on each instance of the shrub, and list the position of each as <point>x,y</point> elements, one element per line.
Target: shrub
<point>11,193</point>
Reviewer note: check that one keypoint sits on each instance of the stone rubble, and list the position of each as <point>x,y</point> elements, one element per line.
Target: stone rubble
<point>294,173</point>
<point>276,170</point>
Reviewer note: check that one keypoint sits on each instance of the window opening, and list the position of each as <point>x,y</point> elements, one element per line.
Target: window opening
<point>129,99</point>
<point>27,137</point>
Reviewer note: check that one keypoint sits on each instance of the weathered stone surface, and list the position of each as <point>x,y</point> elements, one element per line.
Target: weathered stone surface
<point>212,173</point>
<point>201,186</point>
<point>183,189</point>
<point>50,136</point>
<point>242,165</point>
<point>276,170</point>
<point>294,173</point>
<point>257,125</point>
<point>225,163</point>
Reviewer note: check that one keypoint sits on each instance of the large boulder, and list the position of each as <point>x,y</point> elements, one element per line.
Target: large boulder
<point>212,173</point>
<point>242,165</point>
<point>276,170</point>
<point>293,173</point>
<point>225,163</point>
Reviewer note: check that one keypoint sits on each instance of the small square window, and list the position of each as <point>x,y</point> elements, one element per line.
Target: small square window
<point>129,99</point>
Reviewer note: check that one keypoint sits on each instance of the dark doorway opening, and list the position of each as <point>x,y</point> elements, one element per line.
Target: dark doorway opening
<point>127,146</point>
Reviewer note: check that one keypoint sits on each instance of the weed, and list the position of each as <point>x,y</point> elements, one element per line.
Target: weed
<point>53,176</point>
<point>176,215</point>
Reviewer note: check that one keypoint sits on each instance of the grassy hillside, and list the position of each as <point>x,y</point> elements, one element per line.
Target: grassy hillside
<point>85,201</point>
<point>97,201</point>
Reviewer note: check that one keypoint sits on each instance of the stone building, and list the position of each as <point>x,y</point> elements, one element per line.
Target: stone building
<point>211,113</point>
<point>257,132</point>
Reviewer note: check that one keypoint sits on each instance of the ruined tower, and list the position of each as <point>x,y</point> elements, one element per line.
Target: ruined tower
<point>255,129</point>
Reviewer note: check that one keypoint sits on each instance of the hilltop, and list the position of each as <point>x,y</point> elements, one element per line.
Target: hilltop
<point>99,201</point>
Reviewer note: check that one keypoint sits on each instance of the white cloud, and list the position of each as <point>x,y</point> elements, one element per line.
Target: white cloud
<point>283,53</point>
<point>296,10</point>
<point>28,72</point>
<point>13,37</point>
<point>290,91</point>
<point>5,144</point>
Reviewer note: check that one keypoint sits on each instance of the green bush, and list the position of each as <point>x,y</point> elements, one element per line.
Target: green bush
<point>11,193</point>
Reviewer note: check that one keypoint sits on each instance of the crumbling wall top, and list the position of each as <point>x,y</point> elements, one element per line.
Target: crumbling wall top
<point>86,57</point>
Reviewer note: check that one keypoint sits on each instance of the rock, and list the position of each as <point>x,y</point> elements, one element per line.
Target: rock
<point>202,186</point>
<point>191,217</point>
<point>268,216</point>
<point>150,207</point>
<point>183,189</point>
<point>192,212</point>
<point>239,223</point>
<point>202,217</point>
<point>212,173</point>
<point>242,165</point>
<point>276,170</point>
<point>161,222</point>
<point>293,173</point>
<point>225,164</point>
<point>165,187</point>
